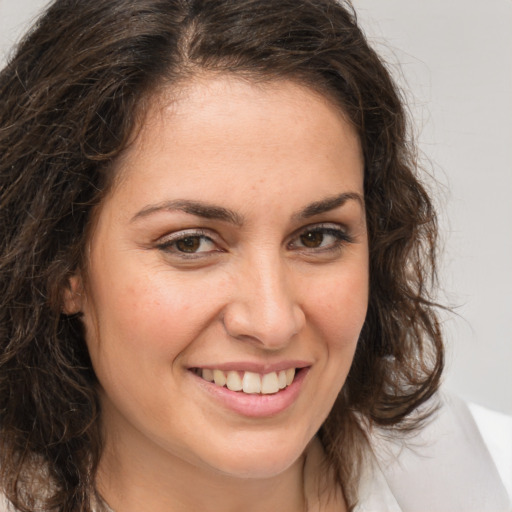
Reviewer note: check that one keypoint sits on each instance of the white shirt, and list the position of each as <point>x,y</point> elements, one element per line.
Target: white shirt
<point>453,464</point>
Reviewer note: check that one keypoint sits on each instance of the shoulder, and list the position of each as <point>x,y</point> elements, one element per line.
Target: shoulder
<point>5,506</point>
<point>496,431</point>
<point>34,479</point>
<point>445,466</point>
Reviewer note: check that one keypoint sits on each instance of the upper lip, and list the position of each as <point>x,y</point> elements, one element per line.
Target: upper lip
<point>252,366</point>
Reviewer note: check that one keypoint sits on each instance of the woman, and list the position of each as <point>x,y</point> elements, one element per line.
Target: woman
<point>216,259</point>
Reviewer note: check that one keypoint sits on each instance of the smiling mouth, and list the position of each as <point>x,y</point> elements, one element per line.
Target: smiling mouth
<point>248,382</point>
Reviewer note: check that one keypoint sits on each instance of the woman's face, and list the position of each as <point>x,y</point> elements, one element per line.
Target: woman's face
<point>232,246</point>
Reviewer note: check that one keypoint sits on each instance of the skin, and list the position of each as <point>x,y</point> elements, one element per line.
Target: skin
<point>263,286</point>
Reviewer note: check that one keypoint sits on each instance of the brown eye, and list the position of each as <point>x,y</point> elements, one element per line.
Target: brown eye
<point>189,244</point>
<point>312,239</point>
<point>321,239</point>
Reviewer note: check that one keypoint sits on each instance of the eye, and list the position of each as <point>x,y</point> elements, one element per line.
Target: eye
<point>312,239</point>
<point>192,244</point>
<point>188,243</point>
<point>320,238</point>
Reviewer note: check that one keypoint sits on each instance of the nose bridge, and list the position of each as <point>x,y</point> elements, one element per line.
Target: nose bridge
<point>264,306</point>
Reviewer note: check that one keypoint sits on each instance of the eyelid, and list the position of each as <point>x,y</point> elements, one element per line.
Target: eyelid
<point>183,233</point>
<point>322,226</point>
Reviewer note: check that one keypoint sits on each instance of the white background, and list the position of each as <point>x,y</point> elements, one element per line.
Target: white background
<point>456,66</point>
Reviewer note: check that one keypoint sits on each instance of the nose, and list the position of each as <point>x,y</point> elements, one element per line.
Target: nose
<point>263,307</point>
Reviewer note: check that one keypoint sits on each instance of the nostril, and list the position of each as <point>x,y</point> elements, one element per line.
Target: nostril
<point>274,328</point>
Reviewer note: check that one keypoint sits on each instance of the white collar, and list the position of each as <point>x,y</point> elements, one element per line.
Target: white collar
<point>443,467</point>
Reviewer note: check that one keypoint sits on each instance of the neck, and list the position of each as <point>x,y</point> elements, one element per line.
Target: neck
<point>307,486</point>
<point>152,484</point>
<point>136,474</point>
<point>192,490</point>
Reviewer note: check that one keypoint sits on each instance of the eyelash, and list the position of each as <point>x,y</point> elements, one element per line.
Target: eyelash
<point>341,238</point>
<point>168,244</point>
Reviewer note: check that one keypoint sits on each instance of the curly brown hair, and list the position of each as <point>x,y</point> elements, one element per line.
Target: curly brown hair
<point>70,97</point>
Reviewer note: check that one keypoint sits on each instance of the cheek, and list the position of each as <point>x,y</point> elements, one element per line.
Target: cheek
<point>138,330</point>
<point>337,310</point>
<point>144,316</point>
<point>338,307</point>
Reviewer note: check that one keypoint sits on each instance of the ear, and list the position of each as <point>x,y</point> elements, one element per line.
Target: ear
<point>72,295</point>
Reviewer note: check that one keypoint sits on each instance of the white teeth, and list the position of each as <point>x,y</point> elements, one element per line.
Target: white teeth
<point>234,382</point>
<point>251,383</point>
<point>281,377</point>
<point>207,374</point>
<point>219,378</point>
<point>269,383</point>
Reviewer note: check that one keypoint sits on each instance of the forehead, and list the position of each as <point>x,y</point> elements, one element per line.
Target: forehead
<point>228,131</point>
<point>216,98</point>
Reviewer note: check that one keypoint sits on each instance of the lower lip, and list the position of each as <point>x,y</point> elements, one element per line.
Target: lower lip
<point>255,405</point>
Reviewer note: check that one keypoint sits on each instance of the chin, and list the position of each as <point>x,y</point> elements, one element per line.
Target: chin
<point>254,460</point>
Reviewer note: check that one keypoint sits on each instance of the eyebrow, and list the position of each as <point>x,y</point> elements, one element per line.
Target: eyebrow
<point>210,211</point>
<point>328,204</point>
<point>197,208</point>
